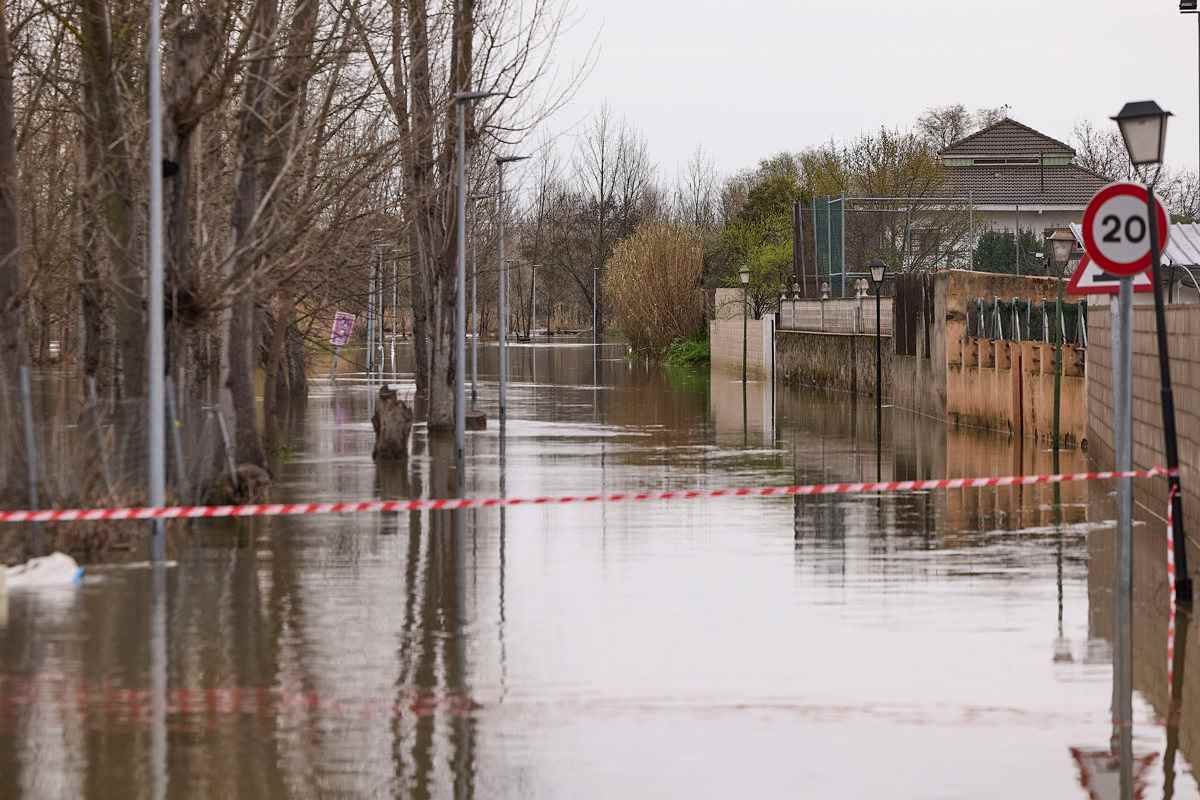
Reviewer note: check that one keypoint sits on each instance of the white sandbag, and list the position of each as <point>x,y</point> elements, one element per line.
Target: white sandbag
<point>56,569</point>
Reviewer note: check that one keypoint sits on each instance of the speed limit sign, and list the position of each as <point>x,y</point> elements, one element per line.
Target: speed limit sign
<point>1115,235</point>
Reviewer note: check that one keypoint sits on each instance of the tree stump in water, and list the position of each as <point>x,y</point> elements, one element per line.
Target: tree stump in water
<point>392,420</point>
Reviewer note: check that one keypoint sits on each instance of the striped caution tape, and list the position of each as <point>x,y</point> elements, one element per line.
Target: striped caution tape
<point>451,504</point>
<point>1171,599</point>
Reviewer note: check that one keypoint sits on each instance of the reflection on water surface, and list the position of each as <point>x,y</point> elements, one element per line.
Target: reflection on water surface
<point>952,644</point>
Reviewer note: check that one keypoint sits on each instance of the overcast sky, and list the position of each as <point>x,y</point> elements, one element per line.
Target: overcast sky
<point>747,79</point>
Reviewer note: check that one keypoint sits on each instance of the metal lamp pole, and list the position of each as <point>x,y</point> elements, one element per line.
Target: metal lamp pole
<point>1144,128</point>
<point>878,273</point>
<point>460,288</point>
<point>475,198</point>
<point>1061,244</point>
<point>595,275</point>
<point>502,302</point>
<point>1190,7</point>
<point>744,276</point>
<point>156,394</point>
<point>533,300</point>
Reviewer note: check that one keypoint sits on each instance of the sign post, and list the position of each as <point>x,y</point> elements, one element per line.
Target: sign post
<point>339,337</point>
<point>1125,229</point>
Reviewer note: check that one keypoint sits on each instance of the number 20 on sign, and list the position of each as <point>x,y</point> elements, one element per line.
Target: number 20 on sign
<point>1114,229</point>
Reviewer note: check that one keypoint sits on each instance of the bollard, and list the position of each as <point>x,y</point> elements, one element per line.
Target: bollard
<point>3,596</point>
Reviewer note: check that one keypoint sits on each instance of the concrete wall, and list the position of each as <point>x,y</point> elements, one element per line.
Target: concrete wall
<point>725,337</point>
<point>1004,386</point>
<point>1183,326</point>
<point>840,361</point>
<point>1009,386</point>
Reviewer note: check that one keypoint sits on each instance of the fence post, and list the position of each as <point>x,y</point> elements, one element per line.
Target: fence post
<point>31,453</point>
<point>173,419</point>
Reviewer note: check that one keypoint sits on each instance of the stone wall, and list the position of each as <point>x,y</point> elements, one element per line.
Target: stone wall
<point>1183,326</point>
<point>840,361</point>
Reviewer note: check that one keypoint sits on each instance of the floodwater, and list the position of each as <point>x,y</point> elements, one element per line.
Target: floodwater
<point>942,644</point>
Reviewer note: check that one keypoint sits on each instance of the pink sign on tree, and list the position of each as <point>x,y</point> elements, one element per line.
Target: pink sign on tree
<point>343,326</point>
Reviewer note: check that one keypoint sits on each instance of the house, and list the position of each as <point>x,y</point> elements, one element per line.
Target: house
<point>1017,178</point>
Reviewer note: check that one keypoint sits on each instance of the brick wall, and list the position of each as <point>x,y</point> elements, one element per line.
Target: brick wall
<point>1183,327</point>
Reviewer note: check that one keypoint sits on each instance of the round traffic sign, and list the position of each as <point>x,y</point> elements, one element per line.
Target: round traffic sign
<point>1115,234</point>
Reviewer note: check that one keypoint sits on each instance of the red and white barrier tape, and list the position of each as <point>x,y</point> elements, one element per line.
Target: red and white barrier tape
<point>1171,590</point>
<point>450,504</point>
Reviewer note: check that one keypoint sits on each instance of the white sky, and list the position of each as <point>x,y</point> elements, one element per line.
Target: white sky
<point>749,79</point>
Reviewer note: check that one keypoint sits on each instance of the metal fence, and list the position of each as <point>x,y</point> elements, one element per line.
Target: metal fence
<point>1020,320</point>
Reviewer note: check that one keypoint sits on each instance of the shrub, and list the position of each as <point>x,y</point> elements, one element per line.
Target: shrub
<point>652,283</point>
<point>689,352</point>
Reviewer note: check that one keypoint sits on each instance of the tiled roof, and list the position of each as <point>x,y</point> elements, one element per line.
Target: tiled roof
<point>1007,138</point>
<point>1008,185</point>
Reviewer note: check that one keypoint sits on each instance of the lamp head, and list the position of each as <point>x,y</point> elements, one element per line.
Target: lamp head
<point>878,271</point>
<point>1062,242</point>
<point>744,276</point>
<point>1144,128</point>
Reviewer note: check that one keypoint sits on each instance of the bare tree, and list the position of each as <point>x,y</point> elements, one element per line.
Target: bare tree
<point>1101,151</point>
<point>13,349</point>
<point>696,191</point>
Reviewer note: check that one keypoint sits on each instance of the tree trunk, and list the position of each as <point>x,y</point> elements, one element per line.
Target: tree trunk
<point>115,196</point>
<point>13,350</point>
<point>392,422</point>
<point>240,336</point>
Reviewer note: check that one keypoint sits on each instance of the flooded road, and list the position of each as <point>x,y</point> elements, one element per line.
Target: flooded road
<point>951,644</point>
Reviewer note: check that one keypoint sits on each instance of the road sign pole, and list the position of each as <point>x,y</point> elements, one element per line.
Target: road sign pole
<point>1183,581</point>
<point>1122,360</point>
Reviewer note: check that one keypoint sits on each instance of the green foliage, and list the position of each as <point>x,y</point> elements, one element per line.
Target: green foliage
<point>689,352</point>
<point>763,246</point>
<point>995,252</point>
<point>771,200</point>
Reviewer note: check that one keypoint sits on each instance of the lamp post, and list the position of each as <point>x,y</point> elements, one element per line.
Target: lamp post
<point>744,276</point>
<point>475,198</point>
<point>502,302</point>
<point>156,391</point>
<point>1061,245</point>
<point>595,282</point>
<point>878,273</point>
<point>460,287</point>
<point>1190,7</point>
<point>533,299</point>
<point>1144,128</point>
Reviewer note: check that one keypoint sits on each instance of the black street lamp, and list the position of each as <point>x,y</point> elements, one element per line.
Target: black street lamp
<point>1144,128</point>
<point>1062,242</point>
<point>744,275</point>
<point>878,273</point>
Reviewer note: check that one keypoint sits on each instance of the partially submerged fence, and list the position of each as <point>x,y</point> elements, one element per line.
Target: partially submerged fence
<point>1019,320</point>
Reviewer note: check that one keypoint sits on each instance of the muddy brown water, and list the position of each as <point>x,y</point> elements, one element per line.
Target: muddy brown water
<point>941,644</point>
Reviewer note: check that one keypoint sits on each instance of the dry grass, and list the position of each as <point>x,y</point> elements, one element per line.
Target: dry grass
<point>652,283</point>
